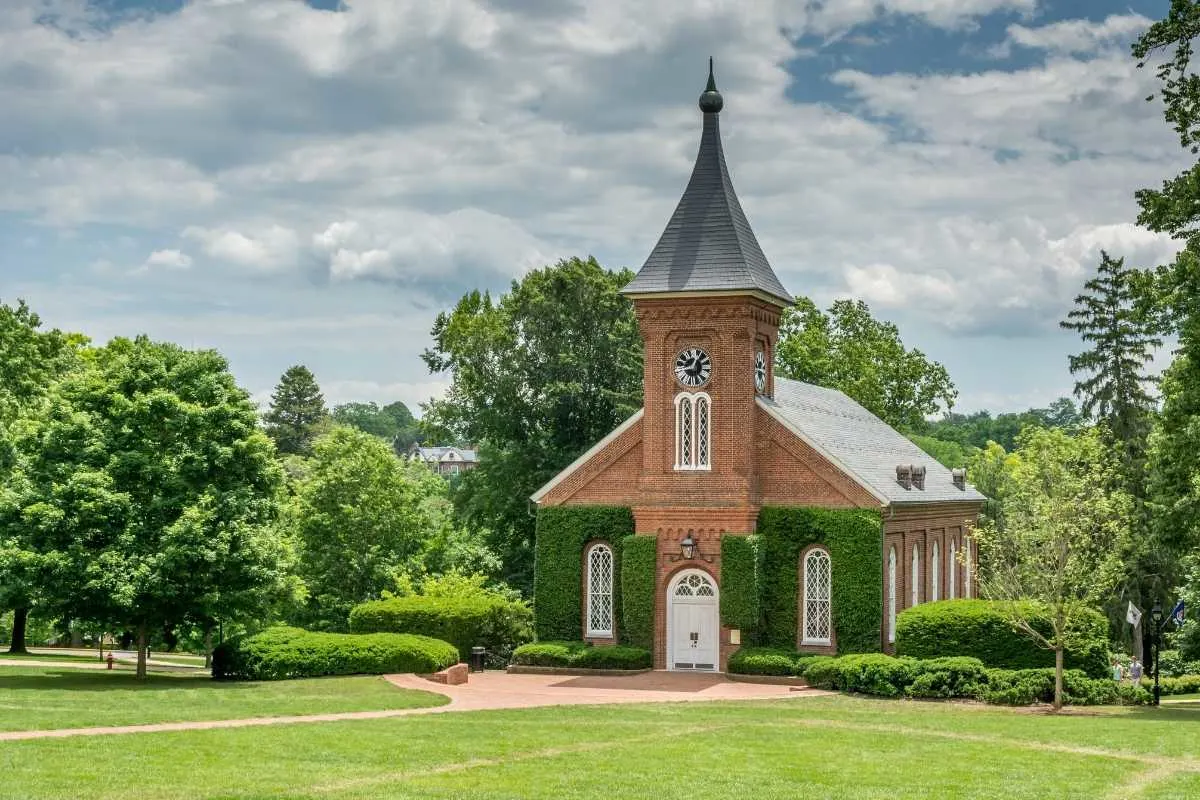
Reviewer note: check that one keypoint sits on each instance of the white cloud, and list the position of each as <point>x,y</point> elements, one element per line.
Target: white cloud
<point>170,259</point>
<point>272,247</point>
<point>1078,35</point>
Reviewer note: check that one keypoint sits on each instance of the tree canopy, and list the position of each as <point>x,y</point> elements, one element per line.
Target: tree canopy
<point>537,377</point>
<point>394,422</point>
<point>149,490</point>
<point>848,349</point>
<point>297,411</point>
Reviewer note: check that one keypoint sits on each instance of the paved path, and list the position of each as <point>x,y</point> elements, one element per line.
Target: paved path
<point>489,690</point>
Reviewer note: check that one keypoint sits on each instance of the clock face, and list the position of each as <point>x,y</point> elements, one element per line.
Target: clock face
<point>693,367</point>
<point>760,371</point>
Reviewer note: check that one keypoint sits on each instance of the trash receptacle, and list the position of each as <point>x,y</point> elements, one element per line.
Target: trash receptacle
<point>477,654</point>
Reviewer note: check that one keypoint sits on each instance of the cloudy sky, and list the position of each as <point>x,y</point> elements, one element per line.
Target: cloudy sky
<point>296,182</point>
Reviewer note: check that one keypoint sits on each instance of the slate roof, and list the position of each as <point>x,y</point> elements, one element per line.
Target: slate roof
<point>861,443</point>
<point>708,244</point>
<point>439,453</point>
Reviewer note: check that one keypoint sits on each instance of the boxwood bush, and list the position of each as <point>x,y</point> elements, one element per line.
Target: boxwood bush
<point>494,622</point>
<point>283,652</point>
<point>772,661</point>
<point>963,677</point>
<point>582,655</point>
<point>980,629</point>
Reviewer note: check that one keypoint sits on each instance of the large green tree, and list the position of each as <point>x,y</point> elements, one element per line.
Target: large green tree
<point>848,349</point>
<point>1113,389</point>
<point>393,422</point>
<point>1063,534</point>
<point>30,360</point>
<point>980,427</point>
<point>149,490</point>
<point>364,520</point>
<point>537,377</point>
<point>297,414</point>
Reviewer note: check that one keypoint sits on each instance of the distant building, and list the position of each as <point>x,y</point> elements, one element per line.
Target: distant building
<point>445,460</point>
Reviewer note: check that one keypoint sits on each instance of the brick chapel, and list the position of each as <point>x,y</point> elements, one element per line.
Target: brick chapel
<point>720,437</point>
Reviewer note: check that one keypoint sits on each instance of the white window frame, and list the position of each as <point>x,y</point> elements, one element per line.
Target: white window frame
<point>818,553</point>
<point>916,575</point>
<point>966,557</point>
<point>892,595</point>
<point>953,593</point>
<point>693,427</point>
<point>935,572</point>
<point>602,594</point>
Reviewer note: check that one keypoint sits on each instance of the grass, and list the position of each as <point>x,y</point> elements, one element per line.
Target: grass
<point>829,747</point>
<point>44,656</point>
<point>38,698</point>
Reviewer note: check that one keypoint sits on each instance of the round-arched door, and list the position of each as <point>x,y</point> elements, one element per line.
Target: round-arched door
<point>693,627</point>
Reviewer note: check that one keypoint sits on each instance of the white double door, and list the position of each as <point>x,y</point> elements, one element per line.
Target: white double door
<point>693,631</point>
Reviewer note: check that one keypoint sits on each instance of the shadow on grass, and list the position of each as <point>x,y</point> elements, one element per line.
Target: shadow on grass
<point>79,681</point>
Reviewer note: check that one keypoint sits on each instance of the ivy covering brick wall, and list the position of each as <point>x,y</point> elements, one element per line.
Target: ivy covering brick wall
<point>739,584</point>
<point>639,556</point>
<point>562,532</point>
<point>854,538</point>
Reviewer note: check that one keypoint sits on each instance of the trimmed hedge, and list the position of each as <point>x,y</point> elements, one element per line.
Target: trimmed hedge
<point>772,661</point>
<point>964,677</point>
<point>1179,684</point>
<point>739,584</point>
<point>978,628</point>
<point>561,533</point>
<point>582,655</point>
<point>639,557</point>
<point>854,539</point>
<point>496,623</point>
<point>282,652</point>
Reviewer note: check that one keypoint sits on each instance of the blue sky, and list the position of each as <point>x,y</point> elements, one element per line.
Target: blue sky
<point>312,183</point>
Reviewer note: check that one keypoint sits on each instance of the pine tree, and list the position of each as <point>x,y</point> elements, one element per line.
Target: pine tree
<point>297,411</point>
<point>1114,389</point>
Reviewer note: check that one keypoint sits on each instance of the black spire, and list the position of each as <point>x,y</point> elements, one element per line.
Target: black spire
<point>711,101</point>
<point>708,245</point>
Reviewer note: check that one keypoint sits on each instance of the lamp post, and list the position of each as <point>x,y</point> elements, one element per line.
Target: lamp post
<point>1156,624</point>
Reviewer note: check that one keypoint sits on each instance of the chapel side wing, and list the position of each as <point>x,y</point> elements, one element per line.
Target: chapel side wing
<point>606,474</point>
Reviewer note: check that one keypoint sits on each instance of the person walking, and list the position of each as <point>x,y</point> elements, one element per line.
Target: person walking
<point>1118,673</point>
<point>1135,672</point>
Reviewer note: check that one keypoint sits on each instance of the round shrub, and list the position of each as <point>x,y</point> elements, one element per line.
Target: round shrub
<point>499,624</point>
<point>763,661</point>
<point>980,629</point>
<point>803,663</point>
<point>874,673</point>
<point>581,655</point>
<point>283,652</point>
<point>955,676</point>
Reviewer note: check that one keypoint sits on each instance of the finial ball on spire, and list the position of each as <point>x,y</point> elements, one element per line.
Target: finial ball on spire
<point>711,101</point>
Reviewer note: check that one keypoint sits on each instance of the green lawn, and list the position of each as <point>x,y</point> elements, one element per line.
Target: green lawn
<point>43,656</point>
<point>835,747</point>
<point>43,697</point>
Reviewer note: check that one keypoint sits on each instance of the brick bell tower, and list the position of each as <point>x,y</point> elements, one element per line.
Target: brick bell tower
<point>708,306</point>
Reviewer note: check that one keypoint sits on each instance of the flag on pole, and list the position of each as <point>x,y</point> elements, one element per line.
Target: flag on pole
<point>1133,616</point>
<point>1177,613</point>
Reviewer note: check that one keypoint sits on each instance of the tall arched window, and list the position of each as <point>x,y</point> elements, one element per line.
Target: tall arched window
<point>967,567</point>
<point>892,595</point>
<point>818,604</point>
<point>693,433</point>
<point>915,575</point>
<point>953,569</point>
<point>935,573</point>
<point>600,591</point>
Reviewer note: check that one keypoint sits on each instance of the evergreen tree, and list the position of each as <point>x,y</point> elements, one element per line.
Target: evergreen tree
<point>297,411</point>
<point>1114,387</point>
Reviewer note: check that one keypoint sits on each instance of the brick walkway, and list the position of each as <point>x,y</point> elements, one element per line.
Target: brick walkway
<point>490,690</point>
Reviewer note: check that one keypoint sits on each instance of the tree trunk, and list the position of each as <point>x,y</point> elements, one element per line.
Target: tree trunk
<point>141,653</point>
<point>208,647</point>
<point>1058,678</point>
<point>20,618</point>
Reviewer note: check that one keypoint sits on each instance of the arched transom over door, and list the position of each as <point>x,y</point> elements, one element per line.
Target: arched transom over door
<point>693,632</point>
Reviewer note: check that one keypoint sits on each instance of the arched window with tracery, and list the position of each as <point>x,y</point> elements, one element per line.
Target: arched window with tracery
<point>693,431</point>
<point>935,573</point>
<point>600,590</point>
<point>953,569</point>
<point>915,575</point>
<point>818,598</point>
<point>892,595</point>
